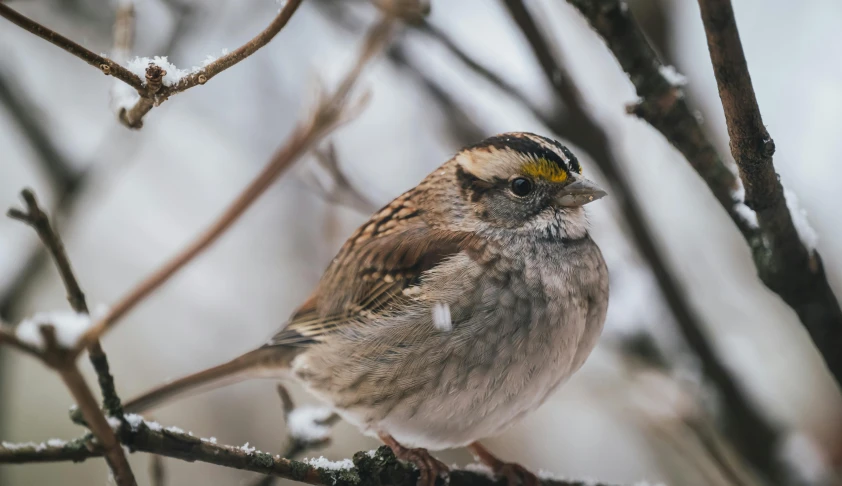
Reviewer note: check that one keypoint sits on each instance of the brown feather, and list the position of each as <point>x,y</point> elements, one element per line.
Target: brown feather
<point>386,255</point>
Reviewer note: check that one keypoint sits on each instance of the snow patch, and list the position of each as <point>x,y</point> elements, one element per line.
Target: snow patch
<point>56,442</point>
<point>441,317</point>
<point>308,423</point>
<point>134,420</point>
<point>740,207</point>
<point>806,233</point>
<point>672,76</point>
<point>248,450</point>
<point>113,422</point>
<point>13,446</point>
<point>123,96</point>
<point>69,328</point>
<point>323,463</point>
<point>173,74</point>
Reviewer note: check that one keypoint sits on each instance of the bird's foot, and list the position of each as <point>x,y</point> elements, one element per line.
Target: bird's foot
<point>429,467</point>
<point>515,474</point>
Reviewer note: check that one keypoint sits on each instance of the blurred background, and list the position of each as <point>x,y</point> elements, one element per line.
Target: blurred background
<point>734,394</point>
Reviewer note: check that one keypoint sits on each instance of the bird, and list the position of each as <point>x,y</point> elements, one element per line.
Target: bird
<point>450,314</point>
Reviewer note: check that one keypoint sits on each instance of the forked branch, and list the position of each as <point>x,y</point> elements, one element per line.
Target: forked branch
<point>151,92</point>
<point>783,263</point>
<point>331,112</point>
<point>107,66</point>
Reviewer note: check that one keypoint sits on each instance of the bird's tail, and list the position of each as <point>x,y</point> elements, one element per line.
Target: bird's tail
<point>250,365</point>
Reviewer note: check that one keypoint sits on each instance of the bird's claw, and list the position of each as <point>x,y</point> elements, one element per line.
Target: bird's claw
<point>429,467</point>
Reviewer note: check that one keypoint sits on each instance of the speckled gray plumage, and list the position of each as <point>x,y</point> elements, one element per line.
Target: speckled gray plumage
<point>526,311</point>
<point>525,287</point>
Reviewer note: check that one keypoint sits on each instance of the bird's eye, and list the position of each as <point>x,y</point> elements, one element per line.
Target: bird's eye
<point>521,186</point>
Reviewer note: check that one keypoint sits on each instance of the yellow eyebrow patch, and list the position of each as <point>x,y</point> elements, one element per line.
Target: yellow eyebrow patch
<point>544,169</point>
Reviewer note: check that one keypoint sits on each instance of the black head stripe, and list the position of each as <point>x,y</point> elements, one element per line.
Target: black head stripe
<point>574,162</point>
<point>524,143</point>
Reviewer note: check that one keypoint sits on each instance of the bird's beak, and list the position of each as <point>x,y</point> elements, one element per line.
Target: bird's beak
<point>579,192</point>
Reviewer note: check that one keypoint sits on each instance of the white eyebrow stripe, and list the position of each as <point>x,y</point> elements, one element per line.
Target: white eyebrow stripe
<point>551,146</point>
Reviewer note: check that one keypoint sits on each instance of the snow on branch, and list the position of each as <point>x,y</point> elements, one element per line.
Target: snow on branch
<point>155,79</point>
<point>784,262</point>
<point>366,467</point>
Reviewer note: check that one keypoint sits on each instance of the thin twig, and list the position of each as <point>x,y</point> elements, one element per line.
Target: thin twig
<point>750,431</point>
<point>379,468</point>
<point>150,96</point>
<point>105,65</point>
<point>242,52</point>
<point>330,113</point>
<point>67,196</point>
<point>783,263</point>
<point>65,364</point>
<point>133,116</point>
<point>794,272</point>
<point>36,218</point>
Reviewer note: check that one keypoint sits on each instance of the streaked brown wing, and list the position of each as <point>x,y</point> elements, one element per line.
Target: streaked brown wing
<point>385,256</point>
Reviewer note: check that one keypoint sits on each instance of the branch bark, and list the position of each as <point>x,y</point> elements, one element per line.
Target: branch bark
<point>751,433</point>
<point>63,362</point>
<point>107,66</point>
<point>154,95</point>
<point>36,218</point>
<point>783,263</point>
<point>330,113</point>
<point>150,95</point>
<point>380,467</point>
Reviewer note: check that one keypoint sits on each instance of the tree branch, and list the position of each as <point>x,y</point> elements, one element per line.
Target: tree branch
<point>330,113</point>
<point>63,361</point>
<point>150,95</point>
<point>36,218</point>
<point>380,467</point>
<point>96,422</point>
<point>107,66</point>
<point>750,432</point>
<point>154,95</point>
<point>662,104</point>
<point>783,263</point>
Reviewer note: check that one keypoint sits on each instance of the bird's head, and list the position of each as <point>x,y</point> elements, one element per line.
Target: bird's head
<point>525,182</point>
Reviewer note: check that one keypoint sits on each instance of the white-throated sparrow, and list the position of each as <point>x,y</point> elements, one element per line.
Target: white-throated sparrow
<point>454,311</point>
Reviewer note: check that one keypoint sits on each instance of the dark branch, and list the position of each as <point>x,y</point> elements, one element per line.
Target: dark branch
<point>107,66</point>
<point>154,95</point>
<point>332,111</point>
<point>379,468</point>
<point>35,217</point>
<point>662,104</point>
<point>753,435</point>
<point>783,263</point>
